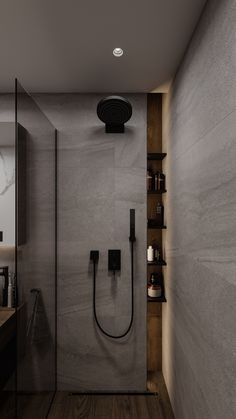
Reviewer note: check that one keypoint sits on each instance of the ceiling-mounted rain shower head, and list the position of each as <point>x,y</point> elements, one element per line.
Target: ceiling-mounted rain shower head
<point>114,111</point>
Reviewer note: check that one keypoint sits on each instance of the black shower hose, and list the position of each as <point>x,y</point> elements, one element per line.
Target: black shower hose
<point>132,299</point>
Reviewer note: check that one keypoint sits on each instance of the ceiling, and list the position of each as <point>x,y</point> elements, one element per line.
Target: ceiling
<point>66,45</point>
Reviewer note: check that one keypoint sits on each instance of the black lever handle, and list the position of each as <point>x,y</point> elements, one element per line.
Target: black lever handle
<point>132,237</point>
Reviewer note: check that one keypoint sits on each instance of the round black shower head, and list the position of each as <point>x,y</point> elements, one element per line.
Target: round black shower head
<point>114,111</point>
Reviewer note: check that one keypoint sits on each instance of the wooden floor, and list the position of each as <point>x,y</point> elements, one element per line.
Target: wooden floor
<point>69,406</point>
<point>33,406</point>
<point>7,404</point>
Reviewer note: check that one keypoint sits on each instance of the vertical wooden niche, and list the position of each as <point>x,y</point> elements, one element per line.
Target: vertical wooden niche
<point>154,308</point>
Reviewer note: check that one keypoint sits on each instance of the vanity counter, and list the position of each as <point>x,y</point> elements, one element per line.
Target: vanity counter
<point>7,325</point>
<point>6,314</point>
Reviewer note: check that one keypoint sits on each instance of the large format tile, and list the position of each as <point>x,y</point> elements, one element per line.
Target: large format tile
<point>199,137</point>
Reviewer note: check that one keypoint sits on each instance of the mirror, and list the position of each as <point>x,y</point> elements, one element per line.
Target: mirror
<point>12,177</point>
<point>7,184</point>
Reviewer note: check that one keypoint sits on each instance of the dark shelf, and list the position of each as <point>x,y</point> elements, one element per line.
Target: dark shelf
<point>157,300</point>
<point>158,227</point>
<point>158,263</point>
<point>156,156</point>
<point>156,192</point>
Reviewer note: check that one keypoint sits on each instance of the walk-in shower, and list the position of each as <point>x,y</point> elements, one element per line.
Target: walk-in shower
<point>85,333</point>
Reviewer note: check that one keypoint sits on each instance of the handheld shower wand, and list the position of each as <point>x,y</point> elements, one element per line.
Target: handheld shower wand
<point>94,256</point>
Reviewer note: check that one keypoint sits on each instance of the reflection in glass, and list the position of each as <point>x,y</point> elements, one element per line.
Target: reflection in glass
<point>7,271</point>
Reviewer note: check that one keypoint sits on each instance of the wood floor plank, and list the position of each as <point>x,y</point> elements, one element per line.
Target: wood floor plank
<point>59,406</point>
<point>106,407</point>
<point>83,407</point>
<point>103,407</point>
<point>33,405</point>
<point>139,404</point>
<point>154,410</point>
<point>156,383</point>
<point>68,406</point>
<point>7,405</point>
<point>122,408</point>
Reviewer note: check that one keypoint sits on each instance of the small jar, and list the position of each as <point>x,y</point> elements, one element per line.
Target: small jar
<point>154,286</point>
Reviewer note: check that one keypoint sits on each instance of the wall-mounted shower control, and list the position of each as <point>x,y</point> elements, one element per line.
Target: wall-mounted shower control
<point>114,260</point>
<point>94,255</point>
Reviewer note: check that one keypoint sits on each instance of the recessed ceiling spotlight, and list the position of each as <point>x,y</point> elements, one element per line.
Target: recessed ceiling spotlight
<point>118,52</point>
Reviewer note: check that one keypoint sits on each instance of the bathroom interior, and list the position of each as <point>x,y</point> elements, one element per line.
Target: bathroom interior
<point>117,210</point>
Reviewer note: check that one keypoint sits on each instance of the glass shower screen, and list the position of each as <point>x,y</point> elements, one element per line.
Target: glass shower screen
<point>35,257</point>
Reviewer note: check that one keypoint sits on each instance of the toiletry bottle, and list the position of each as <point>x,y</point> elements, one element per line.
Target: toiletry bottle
<point>156,252</point>
<point>149,179</point>
<point>10,299</point>
<point>159,214</point>
<point>154,286</point>
<point>162,181</point>
<point>159,187</point>
<point>150,255</point>
<point>4,285</point>
<point>15,291</point>
<point>156,176</point>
